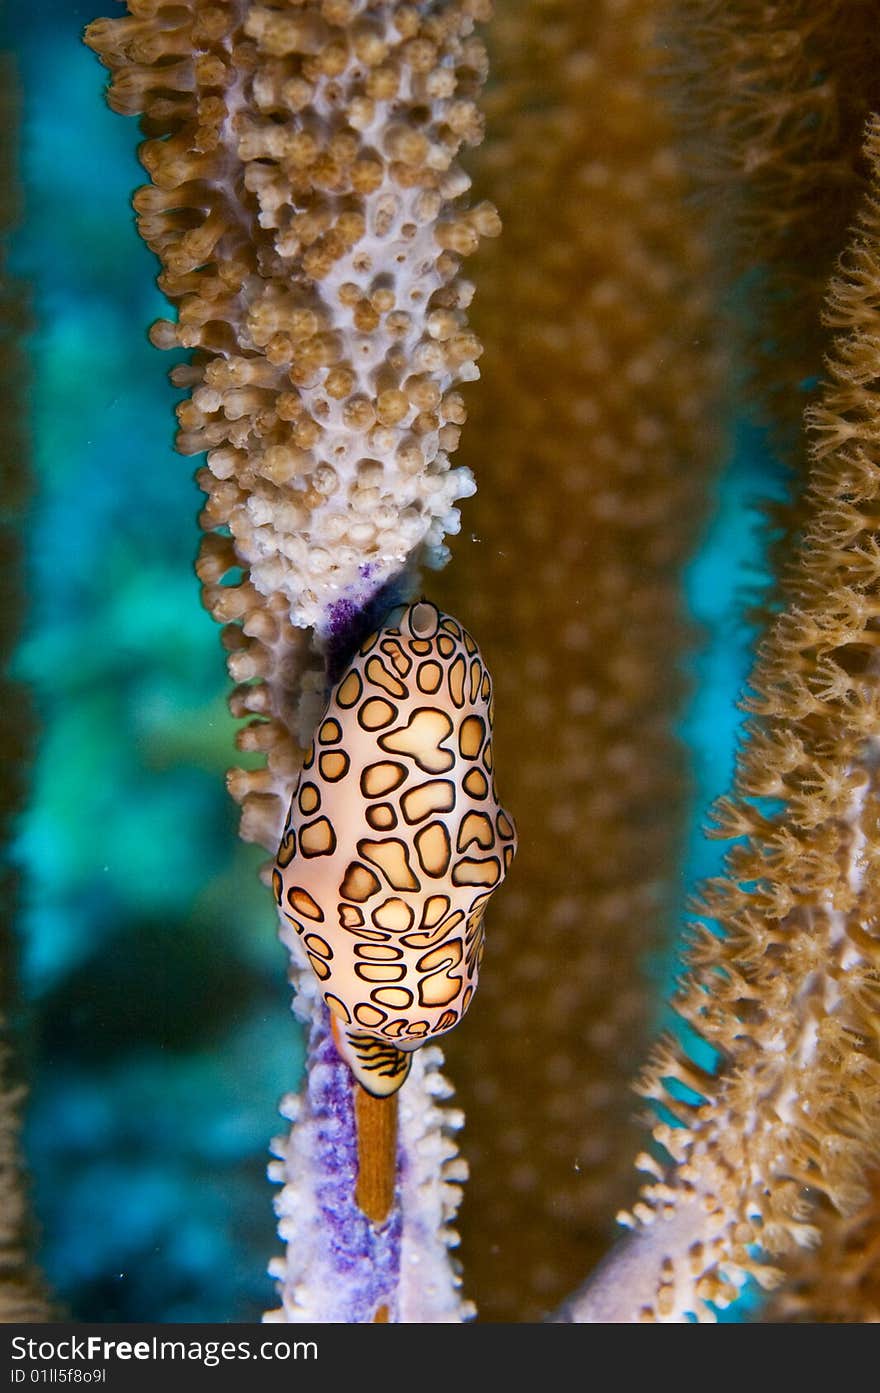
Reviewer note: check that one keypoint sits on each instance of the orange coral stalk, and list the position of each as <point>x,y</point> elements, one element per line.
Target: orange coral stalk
<point>377,1153</point>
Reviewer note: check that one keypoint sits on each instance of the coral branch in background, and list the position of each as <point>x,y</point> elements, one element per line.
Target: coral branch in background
<point>23,1294</point>
<point>307,209</point>
<point>785,986</point>
<point>592,420</point>
<point>774,99</point>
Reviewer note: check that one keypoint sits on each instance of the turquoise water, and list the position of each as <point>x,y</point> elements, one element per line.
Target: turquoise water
<point>161,1031</point>
<point>163,1037</point>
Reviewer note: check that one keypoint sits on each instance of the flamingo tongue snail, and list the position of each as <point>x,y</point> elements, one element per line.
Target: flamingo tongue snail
<point>395,841</point>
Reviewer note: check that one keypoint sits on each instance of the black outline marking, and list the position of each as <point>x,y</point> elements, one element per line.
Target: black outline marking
<point>308,940</point>
<point>354,675</point>
<point>385,973</point>
<point>287,849</point>
<point>435,920</point>
<point>392,928</point>
<point>307,827</point>
<point>467,724</point>
<point>411,793</point>
<point>383,1016</point>
<point>387,811</point>
<point>386,681</point>
<point>476,675</point>
<point>471,861</point>
<point>394,1029</point>
<point>319,967</point>
<point>366,842</point>
<point>436,667</point>
<point>307,812</point>
<point>300,890</point>
<point>396,1005</point>
<point>469,776</point>
<point>457,675</point>
<point>374,703</point>
<point>383,763</point>
<point>331,996</point>
<point>436,746</point>
<point>441,1026</point>
<point>365,951</point>
<point>435,960</point>
<point>350,870</point>
<point>351,909</point>
<point>420,837</point>
<point>370,935</point>
<point>485,830</point>
<point>333,754</point>
<point>450,955</point>
<point>429,938</point>
<point>399,659</point>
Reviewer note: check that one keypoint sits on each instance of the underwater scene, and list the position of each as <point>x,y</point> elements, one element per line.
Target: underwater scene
<point>611,565</point>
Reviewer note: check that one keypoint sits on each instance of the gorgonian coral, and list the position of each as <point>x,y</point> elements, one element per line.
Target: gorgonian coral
<point>773,99</point>
<point>307,208</point>
<point>308,211</point>
<point>595,409</point>
<point>783,981</point>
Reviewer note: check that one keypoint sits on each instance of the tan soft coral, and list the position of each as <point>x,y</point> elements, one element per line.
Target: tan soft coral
<point>591,421</point>
<point>775,98</point>
<point>309,214</point>
<point>837,1281</point>
<point>785,986</point>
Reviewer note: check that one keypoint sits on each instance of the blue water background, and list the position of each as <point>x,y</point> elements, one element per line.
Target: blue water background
<point>163,1032</point>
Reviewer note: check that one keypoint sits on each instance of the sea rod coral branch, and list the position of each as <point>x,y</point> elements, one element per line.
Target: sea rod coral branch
<point>774,99</point>
<point>786,985</point>
<point>308,210</point>
<point>597,410</point>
